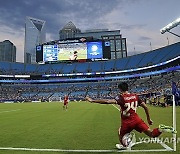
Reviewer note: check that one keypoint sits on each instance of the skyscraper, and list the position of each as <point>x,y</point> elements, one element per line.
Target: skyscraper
<point>68,31</point>
<point>7,51</point>
<point>35,34</point>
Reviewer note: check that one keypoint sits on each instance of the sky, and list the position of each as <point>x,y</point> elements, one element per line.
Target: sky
<point>139,21</point>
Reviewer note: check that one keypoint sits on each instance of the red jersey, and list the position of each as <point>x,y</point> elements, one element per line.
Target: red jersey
<point>66,99</point>
<point>128,103</point>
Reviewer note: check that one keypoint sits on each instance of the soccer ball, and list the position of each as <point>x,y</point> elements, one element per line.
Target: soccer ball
<point>126,140</point>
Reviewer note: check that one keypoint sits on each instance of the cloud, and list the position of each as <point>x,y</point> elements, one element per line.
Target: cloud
<point>144,38</point>
<point>55,13</point>
<point>84,14</point>
<point>139,25</point>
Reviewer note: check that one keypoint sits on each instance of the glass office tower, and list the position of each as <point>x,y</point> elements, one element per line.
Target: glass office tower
<point>68,31</point>
<point>7,51</point>
<point>35,34</point>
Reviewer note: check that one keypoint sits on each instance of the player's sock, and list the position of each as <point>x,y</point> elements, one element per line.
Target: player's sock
<point>156,132</point>
<point>169,129</point>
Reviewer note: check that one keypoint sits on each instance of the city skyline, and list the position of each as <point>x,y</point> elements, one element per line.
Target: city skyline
<point>139,21</point>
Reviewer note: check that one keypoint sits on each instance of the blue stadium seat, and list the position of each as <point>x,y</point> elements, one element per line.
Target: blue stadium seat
<point>44,69</point>
<point>68,68</point>
<point>134,61</point>
<point>109,65</point>
<point>148,58</point>
<point>56,68</point>
<point>82,67</point>
<point>174,52</point>
<point>120,64</point>
<point>5,67</point>
<point>18,68</point>
<point>31,68</point>
<point>95,66</point>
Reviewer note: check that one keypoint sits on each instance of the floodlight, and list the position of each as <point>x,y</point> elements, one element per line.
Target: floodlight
<point>170,26</point>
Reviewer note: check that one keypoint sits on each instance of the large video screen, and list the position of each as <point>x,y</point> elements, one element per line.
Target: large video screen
<point>94,50</point>
<point>72,51</point>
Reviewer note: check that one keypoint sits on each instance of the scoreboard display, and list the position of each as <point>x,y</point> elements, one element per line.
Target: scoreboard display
<point>71,51</point>
<point>50,53</point>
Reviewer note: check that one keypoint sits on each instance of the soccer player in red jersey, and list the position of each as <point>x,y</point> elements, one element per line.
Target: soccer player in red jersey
<point>130,120</point>
<point>66,99</point>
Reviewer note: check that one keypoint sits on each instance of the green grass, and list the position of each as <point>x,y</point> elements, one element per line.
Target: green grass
<point>83,126</point>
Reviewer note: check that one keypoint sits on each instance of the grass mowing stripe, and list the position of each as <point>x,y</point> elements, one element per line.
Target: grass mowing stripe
<point>10,111</point>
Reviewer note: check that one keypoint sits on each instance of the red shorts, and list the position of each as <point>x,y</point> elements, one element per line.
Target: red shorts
<point>65,103</point>
<point>137,124</point>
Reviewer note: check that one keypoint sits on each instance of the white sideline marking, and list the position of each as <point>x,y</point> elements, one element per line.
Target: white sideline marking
<point>10,111</point>
<point>116,107</point>
<point>63,150</point>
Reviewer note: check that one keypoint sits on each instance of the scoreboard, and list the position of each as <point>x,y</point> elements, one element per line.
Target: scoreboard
<point>68,50</point>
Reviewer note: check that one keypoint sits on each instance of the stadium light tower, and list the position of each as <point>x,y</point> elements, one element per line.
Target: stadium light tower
<point>171,26</point>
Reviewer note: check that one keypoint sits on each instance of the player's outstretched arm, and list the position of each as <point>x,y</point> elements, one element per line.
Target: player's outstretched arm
<point>101,101</point>
<point>144,106</point>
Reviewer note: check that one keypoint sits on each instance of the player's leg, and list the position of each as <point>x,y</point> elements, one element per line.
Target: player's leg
<point>158,131</point>
<point>120,135</point>
<point>152,133</point>
<point>124,129</point>
<point>66,106</point>
<point>141,126</point>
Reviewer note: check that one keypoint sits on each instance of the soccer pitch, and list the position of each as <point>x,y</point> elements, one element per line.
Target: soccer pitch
<point>84,126</point>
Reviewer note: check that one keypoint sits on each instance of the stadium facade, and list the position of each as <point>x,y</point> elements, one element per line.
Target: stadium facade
<point>118,48</point>
<point>7,51</point>
<point>35,34</point>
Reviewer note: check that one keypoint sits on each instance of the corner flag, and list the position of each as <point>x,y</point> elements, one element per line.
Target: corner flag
<point>174,88</point>
<point>175,91</point>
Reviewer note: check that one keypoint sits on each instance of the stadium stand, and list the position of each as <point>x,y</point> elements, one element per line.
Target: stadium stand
<point>68,68</point>
<point>54,89</point>
<point>82,67</point>
<point>29,69</point>
<point>136,61</point>
<point>95,67</point>
<point>17,67</point>
<point>109,65</point>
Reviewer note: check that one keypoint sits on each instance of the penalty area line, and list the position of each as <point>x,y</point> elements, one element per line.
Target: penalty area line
<point>94,151</point>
